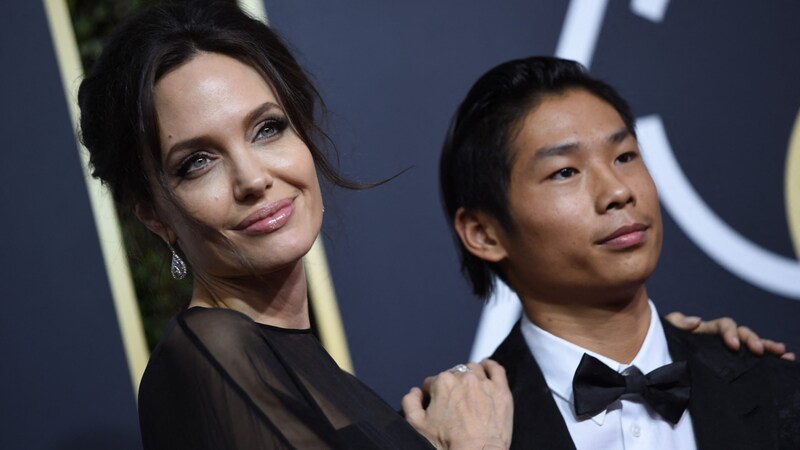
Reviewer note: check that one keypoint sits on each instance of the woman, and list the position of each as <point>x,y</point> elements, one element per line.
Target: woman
<point>200,120</point>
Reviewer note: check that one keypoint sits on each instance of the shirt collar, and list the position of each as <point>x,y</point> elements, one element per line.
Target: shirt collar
<point>558,359</point>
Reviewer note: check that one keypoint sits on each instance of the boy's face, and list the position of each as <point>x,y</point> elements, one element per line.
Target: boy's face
<point>585,208</point>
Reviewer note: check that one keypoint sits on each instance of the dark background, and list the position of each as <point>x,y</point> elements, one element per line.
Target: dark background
<point>64,380</point>
<point>722,76</point>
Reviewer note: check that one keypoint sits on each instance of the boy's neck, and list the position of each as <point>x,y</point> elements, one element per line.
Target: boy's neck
<point>615,329</point>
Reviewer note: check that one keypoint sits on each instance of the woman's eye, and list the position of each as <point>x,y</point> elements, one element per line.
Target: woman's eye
<point>193,165</point>
<point>271,128</point>
<point>566,172</point>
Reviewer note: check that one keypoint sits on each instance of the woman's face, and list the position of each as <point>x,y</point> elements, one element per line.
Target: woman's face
<point>235,164</point>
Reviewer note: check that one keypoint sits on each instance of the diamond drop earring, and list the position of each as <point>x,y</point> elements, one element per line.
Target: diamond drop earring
<point>177,267</point>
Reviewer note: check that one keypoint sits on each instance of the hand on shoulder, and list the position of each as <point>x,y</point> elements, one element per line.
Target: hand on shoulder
<point>732,334</point>
<point>470,408</point>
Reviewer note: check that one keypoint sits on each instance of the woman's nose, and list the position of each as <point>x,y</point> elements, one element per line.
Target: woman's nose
<point>251,178</point>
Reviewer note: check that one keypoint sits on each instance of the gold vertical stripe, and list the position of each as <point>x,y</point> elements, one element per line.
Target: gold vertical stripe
<point>320,284</point>
<point>325,307</point>
<point>792,193</point>
<point>105,217</point>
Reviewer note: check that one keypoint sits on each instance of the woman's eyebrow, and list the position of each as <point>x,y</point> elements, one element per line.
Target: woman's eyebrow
<point>259,111</point>
<point>195,142</point>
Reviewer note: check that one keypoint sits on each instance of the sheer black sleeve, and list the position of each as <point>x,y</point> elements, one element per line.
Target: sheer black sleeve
<point>218,380</point>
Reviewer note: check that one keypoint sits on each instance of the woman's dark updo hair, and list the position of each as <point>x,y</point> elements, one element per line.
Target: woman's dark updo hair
<point>118,122</point>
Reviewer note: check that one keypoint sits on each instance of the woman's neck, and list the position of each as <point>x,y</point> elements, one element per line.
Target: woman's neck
<point>615,329</point>
<point>279,298</point>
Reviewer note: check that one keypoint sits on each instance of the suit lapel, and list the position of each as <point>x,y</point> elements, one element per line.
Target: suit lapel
<point>537,420</point>
<point>727,399</point>
<point>729,406</point>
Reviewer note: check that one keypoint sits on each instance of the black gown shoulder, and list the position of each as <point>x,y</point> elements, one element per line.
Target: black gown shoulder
<point>219,380</point>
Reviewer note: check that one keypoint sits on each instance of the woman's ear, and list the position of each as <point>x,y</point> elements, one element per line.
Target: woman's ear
<point>148,216</point>
<point>480,234</point>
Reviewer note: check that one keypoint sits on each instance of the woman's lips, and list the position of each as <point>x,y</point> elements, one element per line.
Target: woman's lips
<point>625,236</point>
<point>269,218</point>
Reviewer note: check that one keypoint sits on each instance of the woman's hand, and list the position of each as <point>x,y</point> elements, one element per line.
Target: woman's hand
<point>470,408</point>
<point>731,334</point>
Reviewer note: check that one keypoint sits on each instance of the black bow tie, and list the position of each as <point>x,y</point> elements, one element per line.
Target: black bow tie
<point>666,389</point>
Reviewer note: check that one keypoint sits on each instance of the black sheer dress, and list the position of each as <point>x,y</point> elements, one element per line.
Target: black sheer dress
<point>219,380</point>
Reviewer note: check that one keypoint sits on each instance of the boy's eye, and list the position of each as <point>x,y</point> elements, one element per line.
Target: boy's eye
<point>564,173</point>
<point>626,157</point>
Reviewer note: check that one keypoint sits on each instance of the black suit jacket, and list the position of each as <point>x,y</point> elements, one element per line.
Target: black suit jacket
<point>738,400</point>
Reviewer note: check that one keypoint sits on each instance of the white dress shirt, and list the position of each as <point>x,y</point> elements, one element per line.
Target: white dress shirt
<point>627,423</point>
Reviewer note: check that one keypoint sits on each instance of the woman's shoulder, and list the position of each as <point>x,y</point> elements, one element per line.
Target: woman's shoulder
<point>216,323</point>
<point>198,337</point>
<point>224,342</point>
<point>206,373</point>
<point>209,332</point>
<point>205,343</point>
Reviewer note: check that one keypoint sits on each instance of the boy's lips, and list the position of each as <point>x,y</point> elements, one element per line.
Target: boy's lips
<point>625,235</point>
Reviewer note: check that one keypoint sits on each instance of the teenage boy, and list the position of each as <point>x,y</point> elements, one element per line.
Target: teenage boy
<point>545,186</point>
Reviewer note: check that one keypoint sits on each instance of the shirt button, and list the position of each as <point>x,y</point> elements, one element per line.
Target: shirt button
<point>636,431</point>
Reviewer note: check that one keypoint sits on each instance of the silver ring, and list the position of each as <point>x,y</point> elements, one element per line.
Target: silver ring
<point>459,368</point>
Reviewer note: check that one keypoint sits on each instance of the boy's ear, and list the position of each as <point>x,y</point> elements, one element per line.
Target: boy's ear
<point>148,216</point>
<point>480,234</point>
